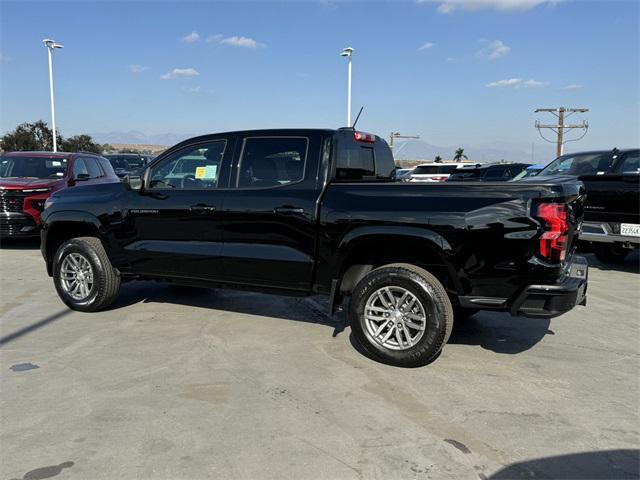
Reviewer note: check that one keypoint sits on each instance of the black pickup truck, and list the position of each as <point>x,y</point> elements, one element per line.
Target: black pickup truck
<point>303,212</point>
<point>612,208</point>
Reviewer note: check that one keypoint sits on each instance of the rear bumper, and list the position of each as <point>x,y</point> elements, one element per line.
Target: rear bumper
<point>546,301</point>
<point>13,225</point>
<point>606,233</point>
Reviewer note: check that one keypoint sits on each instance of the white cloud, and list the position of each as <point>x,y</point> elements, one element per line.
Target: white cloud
<point>494,50</point>
<point>236,41</point>
<point>509,82</point>
<point>535,83</point>
<point>517,83</point>
<point>449,6</point>
<point>573,86</point>
<point>427,46</point>
<point>191,38</point>
<point>180,73</point>
<point>137,68</point>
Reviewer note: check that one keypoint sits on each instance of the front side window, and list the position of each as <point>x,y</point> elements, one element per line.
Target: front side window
<point>272,161</point>
<point>33,167</point>
<point>192,168</point>
<point>80,170</point>
<point>93,167</point>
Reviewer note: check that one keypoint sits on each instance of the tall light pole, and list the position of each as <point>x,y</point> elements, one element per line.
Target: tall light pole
<point>51,44</point>
<point>348,52</point>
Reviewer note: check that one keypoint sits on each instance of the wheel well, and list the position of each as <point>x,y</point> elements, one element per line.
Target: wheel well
<point>373,253</point>
<point>60,232</point>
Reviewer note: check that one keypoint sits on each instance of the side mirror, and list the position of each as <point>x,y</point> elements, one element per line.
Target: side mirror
<point>134,182</point>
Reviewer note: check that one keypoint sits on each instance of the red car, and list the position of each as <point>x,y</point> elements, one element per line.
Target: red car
<point>28,178</point>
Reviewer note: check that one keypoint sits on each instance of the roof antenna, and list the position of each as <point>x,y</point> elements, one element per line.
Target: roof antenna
<point>358,117</point>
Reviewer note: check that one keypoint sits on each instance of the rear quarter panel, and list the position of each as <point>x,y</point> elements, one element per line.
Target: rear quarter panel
<point>487,235</point>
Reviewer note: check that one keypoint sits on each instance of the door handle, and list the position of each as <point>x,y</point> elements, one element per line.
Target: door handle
<point>287,210</point>
<point>202,208</point>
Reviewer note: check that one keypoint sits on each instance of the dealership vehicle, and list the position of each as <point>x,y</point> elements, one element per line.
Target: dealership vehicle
<point>28,178</point>
<point>612,209</point>
<point>302,212</point>
<point>403,174</point>
<point>530,171</point>
<point>126,163</point>
<point>438,171</point>
<point>500,172</point>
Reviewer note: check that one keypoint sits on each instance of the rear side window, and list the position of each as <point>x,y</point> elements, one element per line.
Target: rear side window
<point>496,173</point>
<point>272,161</point>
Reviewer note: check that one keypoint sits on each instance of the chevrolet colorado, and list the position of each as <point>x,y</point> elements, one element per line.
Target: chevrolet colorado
<point>301,212</point>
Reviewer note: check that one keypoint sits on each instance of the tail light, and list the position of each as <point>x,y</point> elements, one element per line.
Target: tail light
<point>553,242</point>
<point>364,137</point>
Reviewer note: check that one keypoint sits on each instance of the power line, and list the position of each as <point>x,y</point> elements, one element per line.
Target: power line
<point>394,135</point>
<point>561,113</point>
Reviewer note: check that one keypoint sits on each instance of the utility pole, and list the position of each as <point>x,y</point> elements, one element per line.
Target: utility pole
<point>397,135</point>
<point>561,113</point>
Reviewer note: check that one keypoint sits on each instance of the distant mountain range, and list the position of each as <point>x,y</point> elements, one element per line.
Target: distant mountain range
<point>403,150</point>
<point>140,138</point>
<point>420,150</point>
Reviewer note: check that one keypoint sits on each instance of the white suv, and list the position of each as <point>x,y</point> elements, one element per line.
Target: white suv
<point>438,172</point>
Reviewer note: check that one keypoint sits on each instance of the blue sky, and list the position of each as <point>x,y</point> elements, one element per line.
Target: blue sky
<point>483,67</point>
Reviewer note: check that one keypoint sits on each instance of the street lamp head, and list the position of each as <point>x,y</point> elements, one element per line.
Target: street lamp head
<point>346,52</point>
<point>51,43</point>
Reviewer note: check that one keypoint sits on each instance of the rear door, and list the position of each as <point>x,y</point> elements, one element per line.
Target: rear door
<point>270,212</point>
<point>174,223</point>
<point>615,197</point>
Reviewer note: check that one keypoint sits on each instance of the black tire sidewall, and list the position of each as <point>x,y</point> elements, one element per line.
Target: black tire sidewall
<point>432,340</point>
<point>84,249</point>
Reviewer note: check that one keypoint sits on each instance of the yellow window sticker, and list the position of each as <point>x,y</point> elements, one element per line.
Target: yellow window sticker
<point>201,172</point>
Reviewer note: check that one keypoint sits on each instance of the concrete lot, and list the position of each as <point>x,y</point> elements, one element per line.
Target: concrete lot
<point>177,383</point>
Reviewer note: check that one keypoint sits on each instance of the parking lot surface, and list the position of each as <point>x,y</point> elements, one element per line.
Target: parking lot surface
<point>182,383</point>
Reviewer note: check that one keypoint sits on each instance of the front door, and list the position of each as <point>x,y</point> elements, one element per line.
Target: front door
<point>174,220</point>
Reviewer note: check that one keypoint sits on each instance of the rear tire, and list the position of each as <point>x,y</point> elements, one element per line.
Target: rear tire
<point>84,260</point>
<point>610,252</point>
<point>387,307</point>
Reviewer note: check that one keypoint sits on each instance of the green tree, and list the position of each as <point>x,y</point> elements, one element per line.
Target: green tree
<point>80,143</point>
<point>29,136</point>
<point>438,159</point>
<point>460,155</point>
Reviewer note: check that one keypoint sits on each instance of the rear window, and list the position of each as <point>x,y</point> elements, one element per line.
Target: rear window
<point>435,169</point>
<point>33,167</point>
<point>355,162</point>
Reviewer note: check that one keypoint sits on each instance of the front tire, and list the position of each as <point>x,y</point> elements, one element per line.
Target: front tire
<point>401,314</point>
<point>83,275</point>
<point>610,252</point>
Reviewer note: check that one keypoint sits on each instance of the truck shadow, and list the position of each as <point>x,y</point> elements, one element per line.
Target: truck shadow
<point>596,465</point>
<point>500,332</point>
<point>494,331</point>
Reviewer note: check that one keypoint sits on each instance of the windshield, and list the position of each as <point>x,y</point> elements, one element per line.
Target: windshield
<point>33,167</point>
<point>581,164</point>
<point>124,162</point>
